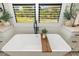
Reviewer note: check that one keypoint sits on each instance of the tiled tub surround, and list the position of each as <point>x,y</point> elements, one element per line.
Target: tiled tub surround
<point>65,32</point>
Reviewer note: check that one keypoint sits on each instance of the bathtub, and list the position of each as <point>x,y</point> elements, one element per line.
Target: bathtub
<point>30,45</point>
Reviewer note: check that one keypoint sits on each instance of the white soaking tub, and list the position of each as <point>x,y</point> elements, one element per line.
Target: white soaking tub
<point>30,44</point>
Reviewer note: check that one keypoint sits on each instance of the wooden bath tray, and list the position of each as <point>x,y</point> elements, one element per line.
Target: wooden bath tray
<point>45,44</point>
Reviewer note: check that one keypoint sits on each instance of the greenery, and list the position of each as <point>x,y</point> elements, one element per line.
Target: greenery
<point>6,16</point>
<point>67,15</point>
<point>44,31</point>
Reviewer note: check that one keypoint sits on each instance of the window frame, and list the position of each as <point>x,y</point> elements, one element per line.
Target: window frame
<point>24,4</point>
<point>48,5</point>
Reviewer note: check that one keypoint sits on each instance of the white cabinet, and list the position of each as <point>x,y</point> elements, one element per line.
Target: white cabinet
<point>74,42</point>
<point>71,36</point>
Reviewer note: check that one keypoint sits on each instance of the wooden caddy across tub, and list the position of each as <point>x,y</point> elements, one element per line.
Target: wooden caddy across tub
<point>45,44</point>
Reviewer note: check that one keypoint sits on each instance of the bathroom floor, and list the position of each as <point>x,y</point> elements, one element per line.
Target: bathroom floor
<point>75,53</point>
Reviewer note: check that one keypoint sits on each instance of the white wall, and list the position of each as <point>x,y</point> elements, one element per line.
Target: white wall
<point>28,28</point>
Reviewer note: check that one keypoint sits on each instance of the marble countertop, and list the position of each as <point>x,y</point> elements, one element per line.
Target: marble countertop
<point>72,29</point>
<point>4,28</point>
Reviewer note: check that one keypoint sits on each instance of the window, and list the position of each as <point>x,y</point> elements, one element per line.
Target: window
<point>24,13</point>
<point>49,13</point>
